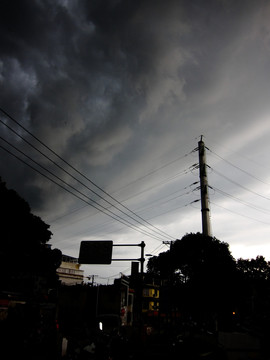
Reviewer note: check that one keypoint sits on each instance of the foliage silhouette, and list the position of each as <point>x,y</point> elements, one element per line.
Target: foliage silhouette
<point>202,276</point>
<point>202,281</point>
<point>25,257</point>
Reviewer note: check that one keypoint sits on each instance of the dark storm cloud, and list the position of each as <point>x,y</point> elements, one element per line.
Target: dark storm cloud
<point>117,88</point>
<point>81,72</point>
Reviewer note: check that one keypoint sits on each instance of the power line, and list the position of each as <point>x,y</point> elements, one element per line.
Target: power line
<point>237,167</point>
<point>98,187</point>
<point>157,249</point>
<point>241,186</point>
<point>154,228</point>
<point>237,153</point>
<point>60,167</point>
<point>245,216</point>
<point>239,200</point>
<point>149,206</point>
<point>143,209</point>
<point>156,170</point>
<point>160,183</point>
<point>164,181</point>
<point>111,214</point>
<point>158,230</point>
<point>177,208</point>
<point>165,201</point>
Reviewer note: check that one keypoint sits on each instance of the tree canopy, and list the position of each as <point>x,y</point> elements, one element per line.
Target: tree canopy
<point>23,250</point>
<point>20,228</point>
<point>203,281</point>
<point>202,273</point>
<point>193,257</point>
<point>256,269</point>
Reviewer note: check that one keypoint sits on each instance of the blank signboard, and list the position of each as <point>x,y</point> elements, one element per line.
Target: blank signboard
<point>96,252</point>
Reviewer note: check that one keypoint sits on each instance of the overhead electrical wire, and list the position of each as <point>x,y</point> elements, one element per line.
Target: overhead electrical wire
<point>226,194</point>
<point>97,231</point>
<point>237,167</point>
<point>158,231</point>
<point>237,213</point>
<point>177,208</point>
<point>160,183</point>
<point>157,249</point>
<point>241,186</point>
<point>139,210</point>
<point>60,167</point>
<point>142,210</point>
<point>164,181</point>
<point>252,206</point>
<point>153,228</point>
<point>150,206</point>
<point>237,153</point>
<point>155,170</point>
<point>103,210</point>
<point>168,236</point>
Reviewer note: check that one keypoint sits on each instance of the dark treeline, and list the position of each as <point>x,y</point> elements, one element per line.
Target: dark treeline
<point>28,281</point>
<point>25,256</point>
<point>204,283</point>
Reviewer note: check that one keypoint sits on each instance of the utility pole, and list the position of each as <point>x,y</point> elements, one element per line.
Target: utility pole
<point>206,230</point>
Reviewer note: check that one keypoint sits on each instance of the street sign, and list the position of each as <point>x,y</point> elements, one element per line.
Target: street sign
<point>95,252</point>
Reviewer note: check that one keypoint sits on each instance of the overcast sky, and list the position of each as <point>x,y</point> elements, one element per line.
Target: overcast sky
<point>122,90</point>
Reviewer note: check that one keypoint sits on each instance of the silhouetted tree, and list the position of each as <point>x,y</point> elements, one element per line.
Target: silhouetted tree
<point>193,257</point>
<point>160,266</point>
<point>256,269</point>
<point>24,256</point>
<point>255,291</point>
<point>203,275</point>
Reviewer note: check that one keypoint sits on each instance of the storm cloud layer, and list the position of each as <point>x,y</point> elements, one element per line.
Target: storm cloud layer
<point>121,89</point>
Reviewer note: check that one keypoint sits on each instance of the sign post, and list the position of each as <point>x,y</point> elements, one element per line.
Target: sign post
<point>100,252</point>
